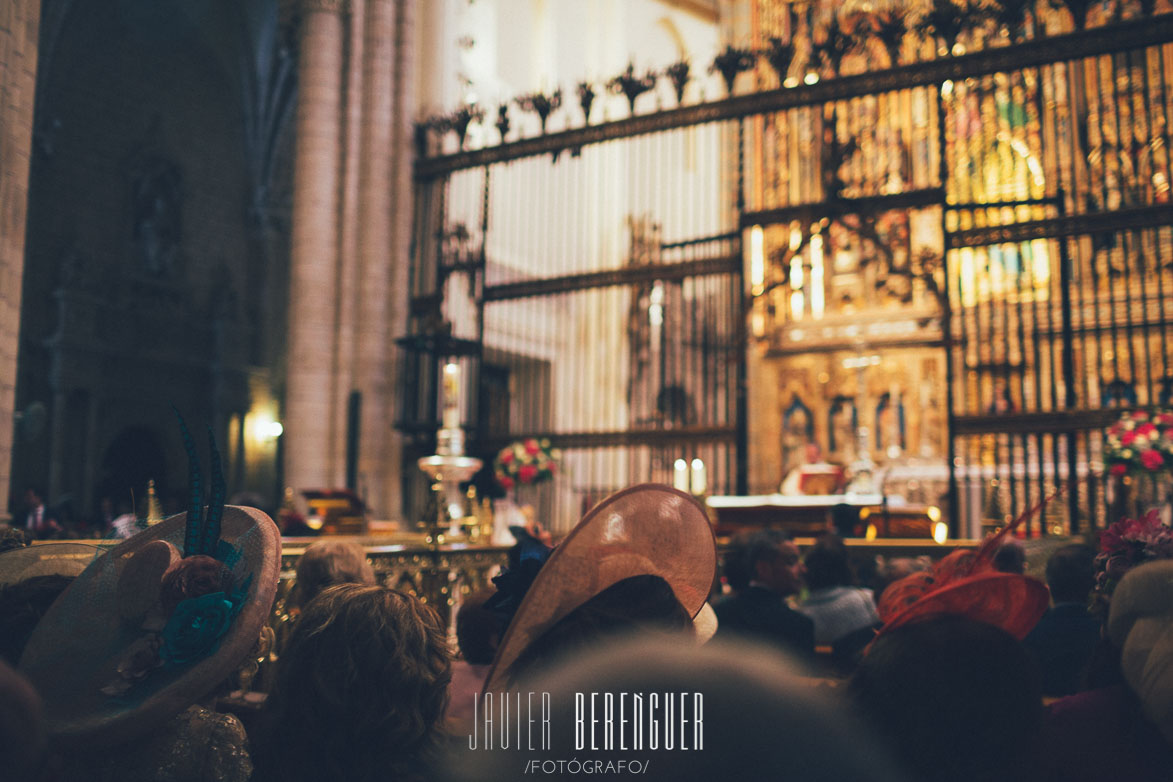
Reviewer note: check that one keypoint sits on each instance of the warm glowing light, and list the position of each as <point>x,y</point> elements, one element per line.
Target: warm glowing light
<point>941,532</point>
<point>811,78</point>
<point>699,482</point>
<point>967,278</point>
<point>450,399</point>
<point>817,292</point>
<point>758,321</point>
<point>934,513</point>
<point>872,533</point>
<point>757,260</point>
<point>262,428</point>
<point>1036,256</point>
<point>797,300</point>
<point>858,362</point>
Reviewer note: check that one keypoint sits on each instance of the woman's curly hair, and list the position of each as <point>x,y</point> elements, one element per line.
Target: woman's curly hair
<point>360,691</point>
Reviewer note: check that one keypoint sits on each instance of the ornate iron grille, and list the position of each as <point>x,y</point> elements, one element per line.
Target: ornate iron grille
<point>991,229</point>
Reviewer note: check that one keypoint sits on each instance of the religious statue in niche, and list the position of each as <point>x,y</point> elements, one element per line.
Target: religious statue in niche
<point>157,205</point>
<point>890,424</point>
<point>1119,393</point>
<point>798,429</point>
<point>929,411</point>
<point>1003,402</point>
<point>647,311</point>
<point>843,422</point>
<point>674,406</point>
<point>1165,395</point>
<point>645,241</point>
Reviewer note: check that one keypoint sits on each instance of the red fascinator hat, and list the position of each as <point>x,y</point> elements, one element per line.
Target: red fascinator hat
<point>966,583</point>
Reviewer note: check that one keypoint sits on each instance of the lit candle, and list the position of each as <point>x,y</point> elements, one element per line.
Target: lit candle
<point>680,475</point>
<point>698,477</point>
<point>451,396</point>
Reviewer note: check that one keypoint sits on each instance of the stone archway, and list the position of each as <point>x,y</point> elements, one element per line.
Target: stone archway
<point>134,457</point>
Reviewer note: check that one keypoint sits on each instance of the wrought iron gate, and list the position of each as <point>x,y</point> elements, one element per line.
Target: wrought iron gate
<point>594,304</point>
<point>998,220</point>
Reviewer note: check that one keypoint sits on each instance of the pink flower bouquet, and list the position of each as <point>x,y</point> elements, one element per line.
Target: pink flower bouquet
<point>1139,442</point>
<point>525,462</point>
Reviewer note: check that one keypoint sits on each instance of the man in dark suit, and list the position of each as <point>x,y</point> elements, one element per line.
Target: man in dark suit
<point>40,521</point>
<point>763,567</point>
<point>1064,639</point>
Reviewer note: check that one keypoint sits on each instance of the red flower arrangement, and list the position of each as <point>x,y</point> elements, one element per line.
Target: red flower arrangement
<point>1123,546</point>
<point>1139,441</point>
<point>527,462</point>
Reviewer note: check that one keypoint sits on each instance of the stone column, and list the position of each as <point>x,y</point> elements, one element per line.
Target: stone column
<point>372,332</point>
<point>402,158</point>
<point>313,305</point>
<point>348,279</point>
<point>19,27</point>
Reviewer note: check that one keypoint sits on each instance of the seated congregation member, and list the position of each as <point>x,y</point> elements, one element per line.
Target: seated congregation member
<point>892,570</point>
<point>763,567</point>
<point>360,691</point>
<point>1063,641</point>
<point>643,559</point>
<point>324,563</point>
<point>946,683</point>
<point>31,580</point>
<point>477,636</point>
<point>128,658</point>
<point>634,605</point>
<point>327,563</point>
<point>12,538</point>
<point>837,607</point>
<point>40,521</point>
<point>1010,558</point>
<point>954,699</point>
<point>744,715</point>
<point>1123,731</point>
<point>24,741</point>
<point>21,607</point>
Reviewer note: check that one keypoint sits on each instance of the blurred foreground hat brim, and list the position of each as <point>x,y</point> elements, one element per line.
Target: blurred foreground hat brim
<point>649,529</point>
<point>79,644</point>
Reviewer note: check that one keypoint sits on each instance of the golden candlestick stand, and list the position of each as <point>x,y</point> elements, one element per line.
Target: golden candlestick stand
<point>154,507</point>
<point>477,521</point>
<point>449,467</point>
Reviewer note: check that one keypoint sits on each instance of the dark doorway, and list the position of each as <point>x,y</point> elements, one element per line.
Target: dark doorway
<point>132,459</point>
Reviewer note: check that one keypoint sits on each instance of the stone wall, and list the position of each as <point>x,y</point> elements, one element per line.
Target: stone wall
<point>139,282</point>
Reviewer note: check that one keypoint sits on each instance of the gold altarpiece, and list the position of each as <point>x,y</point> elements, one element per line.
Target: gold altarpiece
<point>874,219</point>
